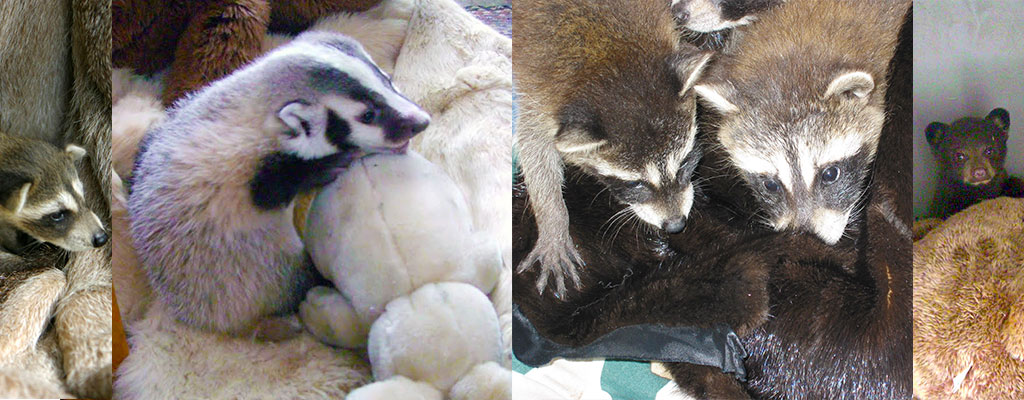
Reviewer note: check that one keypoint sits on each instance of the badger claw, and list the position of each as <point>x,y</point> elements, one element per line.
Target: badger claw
<point>558,259</point>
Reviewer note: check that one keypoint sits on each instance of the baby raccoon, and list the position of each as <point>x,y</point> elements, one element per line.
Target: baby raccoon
<point>605,86</point>
<point>714,15</point>
<point>41,197</point>
<point>970,154</point>
<point>801,98</point>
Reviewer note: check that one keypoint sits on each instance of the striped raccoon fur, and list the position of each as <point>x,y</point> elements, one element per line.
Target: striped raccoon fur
<point>715,15</point>
<point>840,322</point>
<point>605,86</point>
<point>41,205</point>
<point>42,198</point>
<point>212,198</point>
<point>801,100</point>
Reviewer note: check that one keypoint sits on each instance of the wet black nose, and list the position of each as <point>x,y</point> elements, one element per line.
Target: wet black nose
<point>674,225</point>
<point>979,173</point>
<point>100,239</point>
<point>679,11</point>
<point>408,128</point>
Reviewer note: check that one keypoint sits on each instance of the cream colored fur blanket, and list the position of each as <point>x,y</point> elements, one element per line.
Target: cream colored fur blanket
<point>440,56</point>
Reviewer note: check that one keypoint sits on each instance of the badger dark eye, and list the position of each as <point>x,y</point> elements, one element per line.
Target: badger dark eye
<point>959,157</point>
<point>830,174</point>
<point>989,151</point>
<point>58,216</point>
<point>771,185</point>
<point>369,116</point>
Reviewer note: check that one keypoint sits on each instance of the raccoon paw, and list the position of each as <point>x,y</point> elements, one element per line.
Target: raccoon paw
<point>558,260</point>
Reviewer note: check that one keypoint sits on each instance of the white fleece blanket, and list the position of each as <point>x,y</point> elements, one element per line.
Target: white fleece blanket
<point>441,57</point>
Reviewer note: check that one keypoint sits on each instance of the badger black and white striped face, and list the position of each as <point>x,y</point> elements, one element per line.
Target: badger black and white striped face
<point>806,163</point>
<point>51,207</point>
<point>354,105</point>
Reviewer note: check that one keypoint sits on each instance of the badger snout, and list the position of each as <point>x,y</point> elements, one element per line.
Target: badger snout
<point>404,128</point>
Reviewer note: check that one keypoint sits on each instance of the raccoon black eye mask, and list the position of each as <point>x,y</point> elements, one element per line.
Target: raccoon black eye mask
<point>802,109</point>
<point>625,118</point>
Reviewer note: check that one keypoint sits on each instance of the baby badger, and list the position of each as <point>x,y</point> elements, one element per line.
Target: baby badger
<point>213,194</point>
<point>41,197</point>
<point>605,86</point>
<point>801,98</point>
<point>970,154</point>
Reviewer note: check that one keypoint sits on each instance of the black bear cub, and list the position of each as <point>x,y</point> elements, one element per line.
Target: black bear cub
<point>970,154</point>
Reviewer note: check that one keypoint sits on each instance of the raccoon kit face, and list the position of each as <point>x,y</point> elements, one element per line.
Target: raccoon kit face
<point>971,149</point>
<point>643,151</point>
<point>42,196</point>
<point>805,161</point>
<point>714,15</point>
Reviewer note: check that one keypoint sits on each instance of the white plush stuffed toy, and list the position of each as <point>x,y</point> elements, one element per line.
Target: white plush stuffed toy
<point>395,236</point>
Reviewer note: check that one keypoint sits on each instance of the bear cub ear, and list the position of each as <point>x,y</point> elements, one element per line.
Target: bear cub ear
<point>934,132</point>
<point>999,117</point>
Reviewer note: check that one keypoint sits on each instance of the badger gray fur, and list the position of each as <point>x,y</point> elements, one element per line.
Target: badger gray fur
<point>604,85</point>
<point>211,203</point>
<point>801,97</point>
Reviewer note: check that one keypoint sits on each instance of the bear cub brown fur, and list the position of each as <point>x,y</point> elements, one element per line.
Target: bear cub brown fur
<point>970,154</point>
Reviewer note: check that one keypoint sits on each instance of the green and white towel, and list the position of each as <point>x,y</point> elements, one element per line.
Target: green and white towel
<point>597,379</point>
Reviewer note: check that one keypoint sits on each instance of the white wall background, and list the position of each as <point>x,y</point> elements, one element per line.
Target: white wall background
<point>968,59</point>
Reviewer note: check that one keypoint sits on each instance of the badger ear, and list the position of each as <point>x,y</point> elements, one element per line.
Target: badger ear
<point>76,153</point>
<point>689,67</point>
<point>934,132</point>
<point>850,85</point>
<point>13,192</point>
<point>999,117</point>
<point>303,118</point>
<point>717,95</point>
<point>573,139</point>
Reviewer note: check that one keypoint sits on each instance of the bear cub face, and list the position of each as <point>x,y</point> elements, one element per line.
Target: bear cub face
<point>971,151</point>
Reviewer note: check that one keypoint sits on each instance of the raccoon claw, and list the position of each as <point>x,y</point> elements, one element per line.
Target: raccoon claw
<point>555,262</point>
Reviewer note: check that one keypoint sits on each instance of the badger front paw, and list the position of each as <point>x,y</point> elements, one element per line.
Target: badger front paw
<point>558,259</point>
<point>331,319</point>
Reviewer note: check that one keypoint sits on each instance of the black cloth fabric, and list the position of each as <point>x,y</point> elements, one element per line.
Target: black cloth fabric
<point>719,346</point>
<point>716,347</point>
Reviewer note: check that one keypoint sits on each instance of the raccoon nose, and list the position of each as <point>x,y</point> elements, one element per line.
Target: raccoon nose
<point>674,225</point>
<point>979,173</point>
<point>99,239</point>
<point>679,11</point>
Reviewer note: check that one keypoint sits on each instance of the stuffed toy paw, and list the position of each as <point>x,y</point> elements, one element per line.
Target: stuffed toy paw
<point>387,226</point>
<point>461,327</point>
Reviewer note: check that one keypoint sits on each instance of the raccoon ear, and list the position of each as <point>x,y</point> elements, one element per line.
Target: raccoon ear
<point>851,85</point>
<point>999,117</point>
<point>303,118</point>
<point>934,132</point>
<point>690,67</point>
<point>14,193</point>
<point>574,139</point>
<point>717,95</point>
<point>76,153</point>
